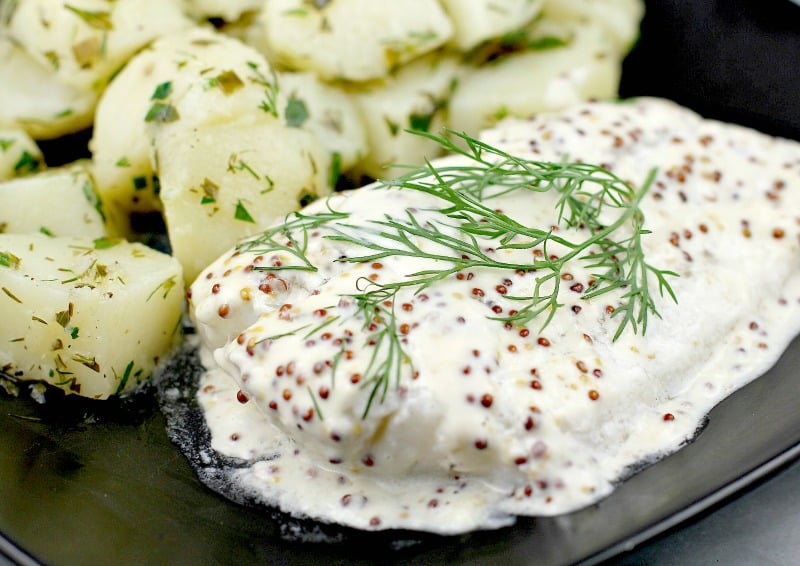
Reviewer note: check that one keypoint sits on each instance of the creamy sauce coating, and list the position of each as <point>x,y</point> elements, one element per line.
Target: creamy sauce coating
<point>488,420</point>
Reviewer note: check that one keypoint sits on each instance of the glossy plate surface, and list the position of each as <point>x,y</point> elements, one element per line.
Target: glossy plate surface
<point>83,482</point>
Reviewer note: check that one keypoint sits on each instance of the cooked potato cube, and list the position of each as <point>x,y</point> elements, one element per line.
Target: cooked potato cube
<point>57,202</point>
<point>193,77</point>
<point>415,98</point>
<point>33,99</point>
<point>620,18</point>
<point>355,40</point>
<point>478,20</point>
<point>225,181</point>
<point>86,42</point>
<point>327,111</point>
<point>19,154</point>
<point>536,80</point>
<point>90,317</point>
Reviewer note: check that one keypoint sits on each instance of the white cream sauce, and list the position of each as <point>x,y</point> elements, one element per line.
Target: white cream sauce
<point>489,421</point>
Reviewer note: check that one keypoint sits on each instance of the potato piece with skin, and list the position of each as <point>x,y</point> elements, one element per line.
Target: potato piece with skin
<point>33,99</point>
<point>89,317</point>
<point>222,182</point>
<point>475,21</point>
<point>26,204</point>
<point>204,77</point>
<point>327,111</point>
<point>19,154</point>
<point>524,83</point>
<point>414,98</point>
<point>354,40</point>
<point>85,42</point>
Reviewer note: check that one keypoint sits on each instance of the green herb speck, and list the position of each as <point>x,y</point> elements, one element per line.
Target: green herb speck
<point>242,214</point>
<point>162,91</point>
<point>296,112</point>
<point>161,113</point>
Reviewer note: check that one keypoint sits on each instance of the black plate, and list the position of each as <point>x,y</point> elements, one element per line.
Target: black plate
<point>89,483</point>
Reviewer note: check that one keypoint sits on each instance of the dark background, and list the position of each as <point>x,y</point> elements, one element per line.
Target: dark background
<point>733,60</point>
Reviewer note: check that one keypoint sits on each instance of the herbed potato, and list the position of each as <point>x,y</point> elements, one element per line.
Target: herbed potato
<point>354,40</point>
<point>475,21</point>
<point>620,18</point>
<point>327,111</point>
<point>19,154</point>
<point>414,98</point>
<point>224,181</point>
<point>194,77</point>
<point>85,43</point>
<point>568,63</point>
<point>57,202</point>
<point>91,317</point>
<point>32,98</point>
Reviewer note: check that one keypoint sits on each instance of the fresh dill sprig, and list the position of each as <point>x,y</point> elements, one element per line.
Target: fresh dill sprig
<point>592,202</point>
<point>585,192</point>
<point>388,356</point>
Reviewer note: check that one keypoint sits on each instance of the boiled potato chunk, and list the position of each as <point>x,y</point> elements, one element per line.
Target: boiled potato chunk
<point>479,20</point>
<point>327,111</point>
<point>19,154</point>
<point>521,84</point>
<point>33,99</point>
<point>414,98</point>
<point>92,317</point>
<point>228,180</point>
<point>58,202</point>
<point>355,40</point>
<point>620,18</point>
<point>86,41</point>
<point>201,75</point>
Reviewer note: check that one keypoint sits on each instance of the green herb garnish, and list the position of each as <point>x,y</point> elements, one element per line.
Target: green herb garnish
<point>296,112</point>
<point>599,224</point>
